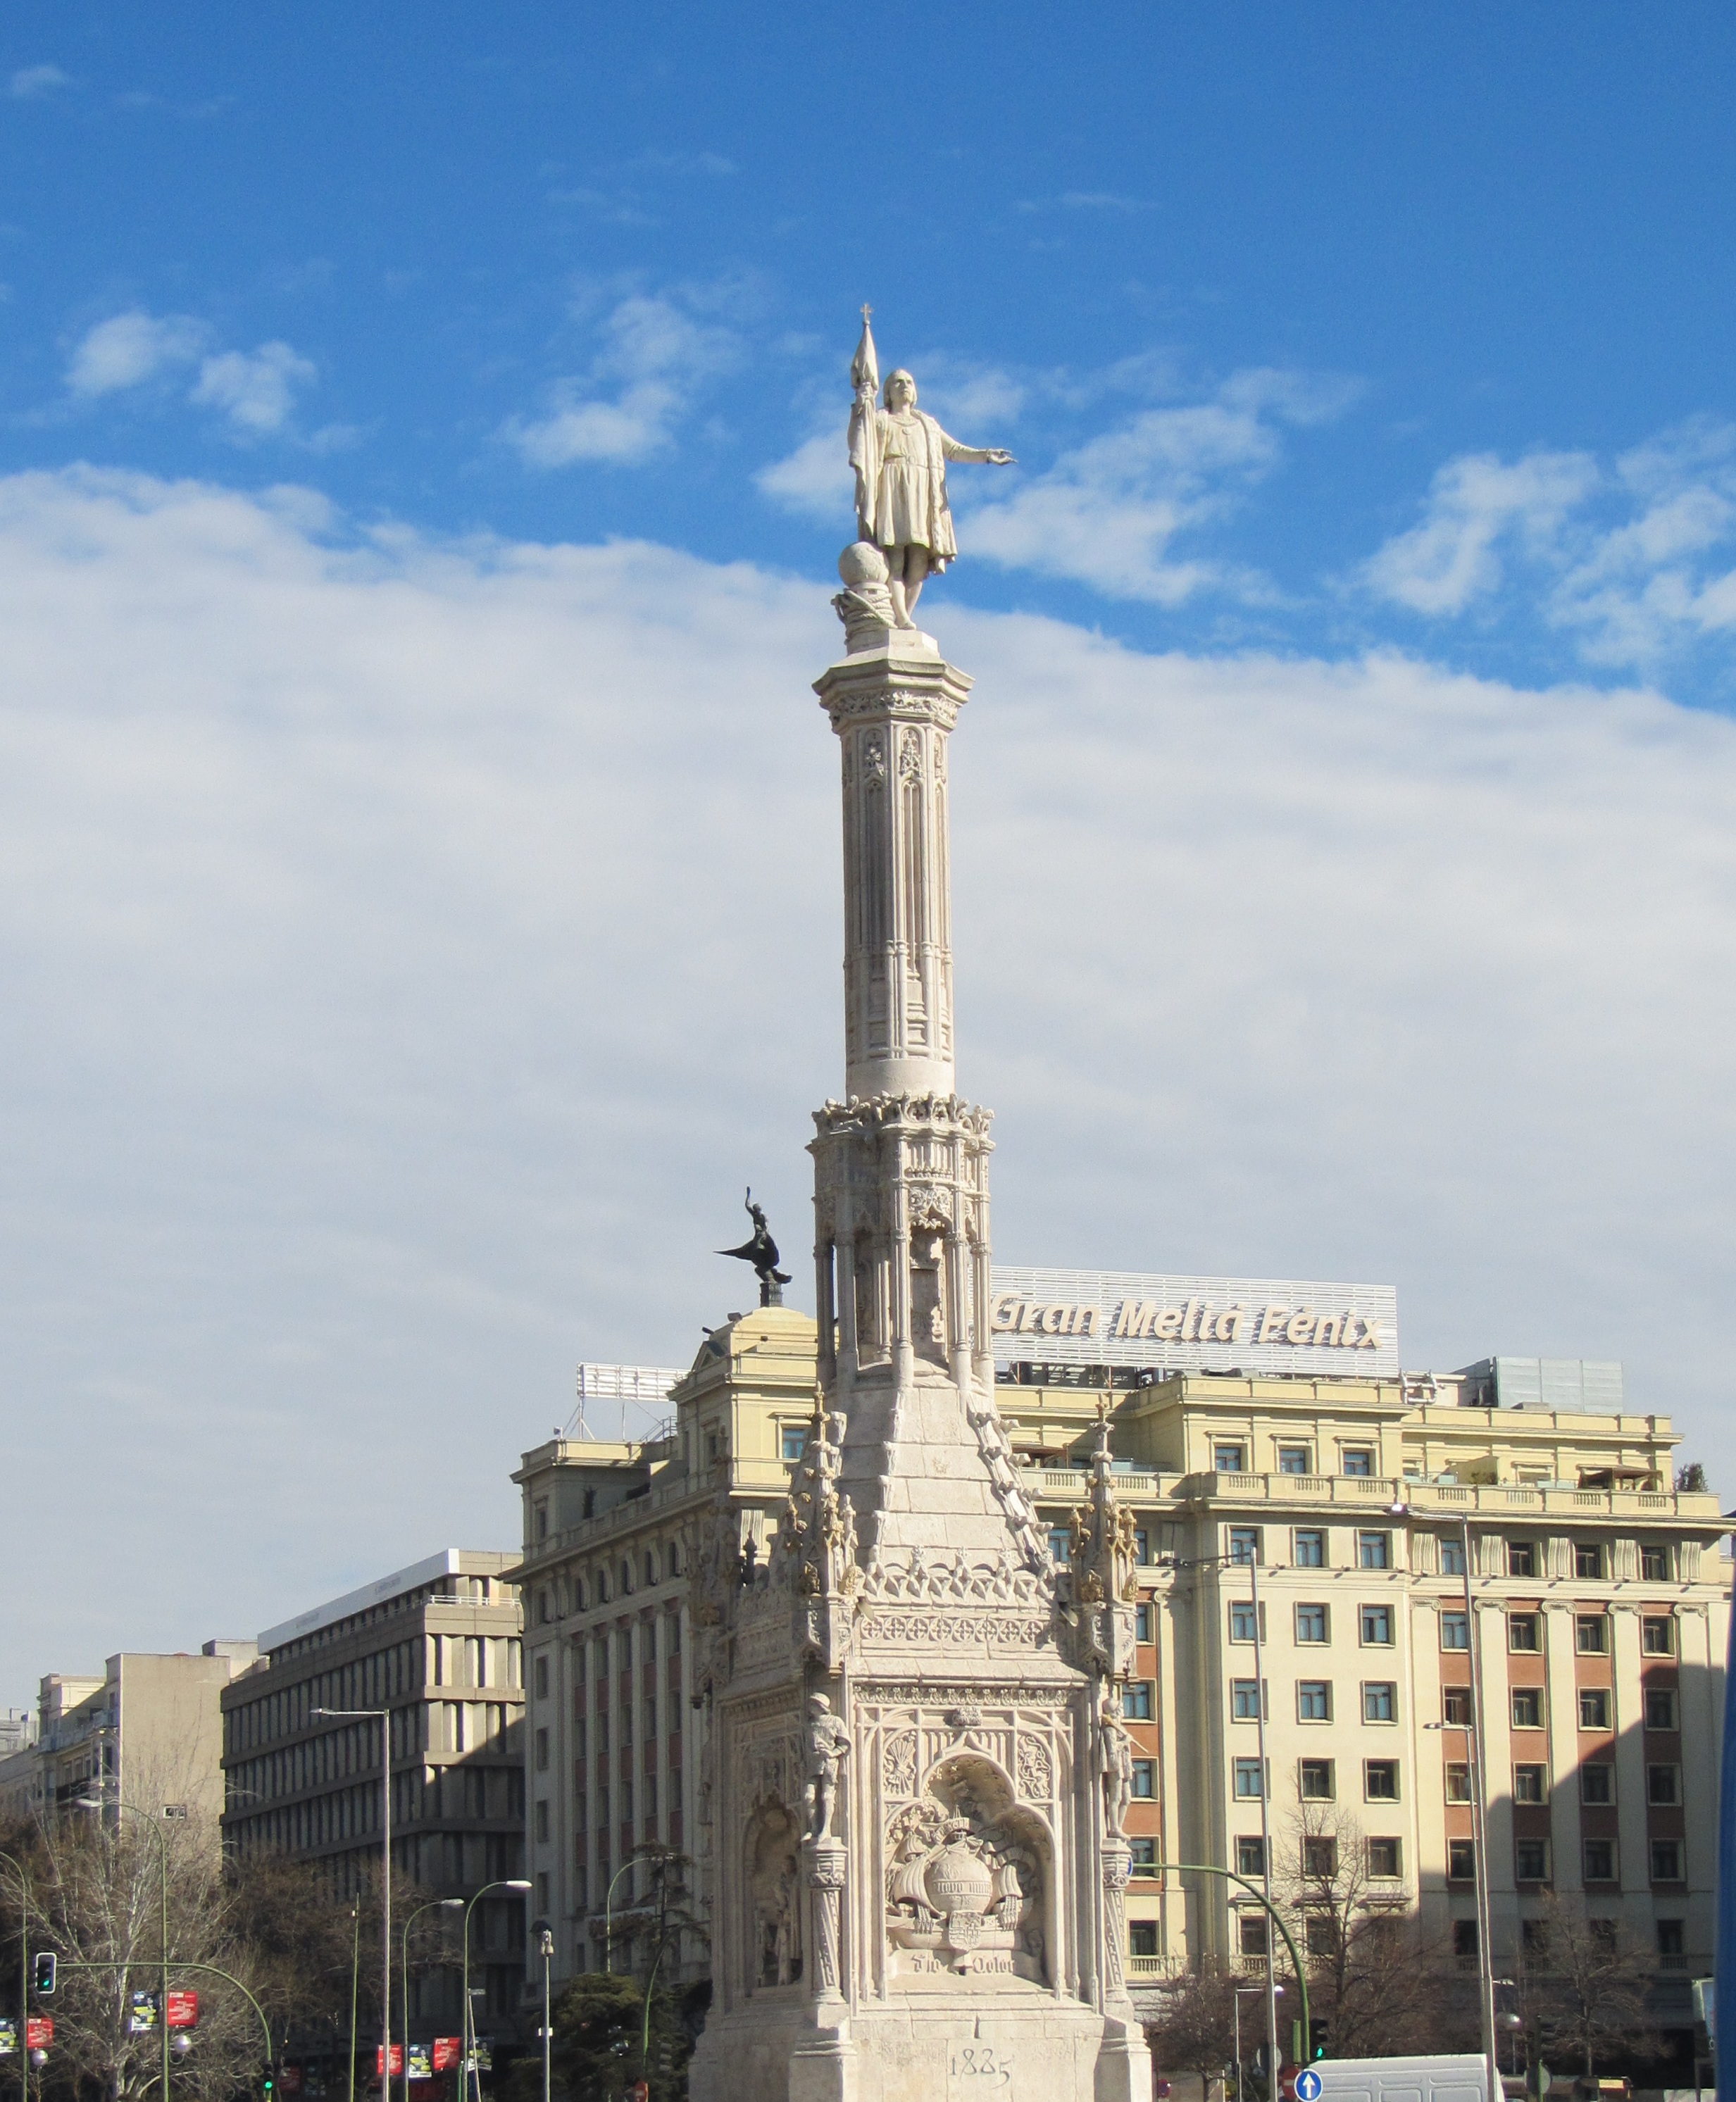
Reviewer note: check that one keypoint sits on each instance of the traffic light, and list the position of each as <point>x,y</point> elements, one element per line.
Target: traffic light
<point>41,1976</point>
<point>268,2084</point>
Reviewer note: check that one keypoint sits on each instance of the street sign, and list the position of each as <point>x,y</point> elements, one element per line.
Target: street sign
<point>448,2051</point>
<point>1308,2085</point>
<point>38,2032</point>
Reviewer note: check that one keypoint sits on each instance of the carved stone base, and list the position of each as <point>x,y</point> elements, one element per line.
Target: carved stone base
<point>825,2070</point>
<point>1123,2065</point>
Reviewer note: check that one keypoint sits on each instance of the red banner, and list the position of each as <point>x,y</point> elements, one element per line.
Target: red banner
<point>38,2032</point>
<point>184,2009</point>
<point>448,2052</point>
<point>397,2060</point>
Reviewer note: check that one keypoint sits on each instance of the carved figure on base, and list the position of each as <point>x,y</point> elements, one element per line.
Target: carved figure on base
<point>827,1745</point>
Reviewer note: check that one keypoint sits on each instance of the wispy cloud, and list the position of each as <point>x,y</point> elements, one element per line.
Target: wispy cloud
<point>254,389</point>
<point>1106,512</point>
<point>1088,201</point>
<point>30,83</point>
<point>129,349</point>
<point>1635,560</point>
<point>654,356</point>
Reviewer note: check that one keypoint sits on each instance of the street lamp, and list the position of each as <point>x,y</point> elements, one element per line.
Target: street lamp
<point>1247,1992</point>
<point>547,1947</point>
<point>626,1869</point>
<point>382,1716</point>
<point>501,1883</point>
<point>96,1803</point>
<point>433,1904</point>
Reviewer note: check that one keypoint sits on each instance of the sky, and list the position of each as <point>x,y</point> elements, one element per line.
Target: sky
<point>422,478</point>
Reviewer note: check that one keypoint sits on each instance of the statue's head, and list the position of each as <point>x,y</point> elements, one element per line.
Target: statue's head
<point>900,390</point>
<point>819,1705</point>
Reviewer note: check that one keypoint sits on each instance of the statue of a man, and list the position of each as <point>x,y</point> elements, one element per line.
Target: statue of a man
<point>1114,1764</point>
<point>827,1743</point>
<point>900,455</point>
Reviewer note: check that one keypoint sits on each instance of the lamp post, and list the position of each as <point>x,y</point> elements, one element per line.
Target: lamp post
<point>132,1809</point>
<point>23,1971</point>
<point>355,1982</point>
<point>382,1716</point>
<point>627,1867</point>
<point>1245,1993</point>
<point>433,1904</point>
<point>501,1883</point>
<point>546,1946</point>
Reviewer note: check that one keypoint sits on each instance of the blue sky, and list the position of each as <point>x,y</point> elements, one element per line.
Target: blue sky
<point>420,478</point>
<point>1342,325</point>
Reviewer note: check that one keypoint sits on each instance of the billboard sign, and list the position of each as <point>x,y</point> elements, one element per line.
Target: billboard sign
<point>1160,1321</point>
<point>448,2051</point>
<point>38,2032</point>
<point>379,2060</point>
<point>141,2013</point>
<point>184,2009</point>
<point>8,2036</point>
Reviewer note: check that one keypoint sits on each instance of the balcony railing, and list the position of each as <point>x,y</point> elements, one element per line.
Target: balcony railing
<point>1071,1485</point>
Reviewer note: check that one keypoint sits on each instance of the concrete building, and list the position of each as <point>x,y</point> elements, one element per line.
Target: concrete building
<point>148,1731</point>
<point>438,1644</point>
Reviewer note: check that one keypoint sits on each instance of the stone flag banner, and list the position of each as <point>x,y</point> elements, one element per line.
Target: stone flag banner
<point>1170,1324</point>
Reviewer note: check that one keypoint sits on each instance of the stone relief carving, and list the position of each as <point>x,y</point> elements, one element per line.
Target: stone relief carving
<point>774,1949</point>
<point>898,1764</point>
<point>1035,1770</point>
<point>910,756</point>
<point>965,1880</point>
<point>826,1746</point>
<point>873,760</point>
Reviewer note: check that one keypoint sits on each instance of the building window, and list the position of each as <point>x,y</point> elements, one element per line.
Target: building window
<point>1522,1631</point>
<point>1142,1622</point>
<point>1359,1459</point>
<point>1528,1707</point>
<point>1144,1778</point>
<point>1455,1707</point>
<point>1311,1548</point>
<point>1312,1625</point>
<point>1244,1703</point>
<point>1250,1855</point>
<point>1373,1550</point>
<point>1241,1620</point>
<point>792,1442</point>
<point>1521,1559</point>
<point>1455,1631</point>
<point>1530,1784</point>
<point>542,1892</point>
<point>1460,1867</point>
<point>1599,1861</point>
<point>1229,1459</point>
<point>1142,1937</point>
<point>1655,1564</point>
<point>1313,1700</point>
<point>1376,1624</point>
<point>1142,1545</point>
<point>1380,1700</point>
<point>1244,1544</point>
<point>1594,1707</point>
<point>1293,1459</point>
<point>1316,1780</point>
<point>1670,1938</point>
<point>1663,1785</point>
<point>1136,1700</point>
<point>1144,1856</point>
<point>1251,1933</point>
<point>1597,1782</point>
<point>1380,1780</point>
<point>1458,1778</point>
<point>1320,1934</point>
<point>1383,1859</point>
<point>1660,1708</point>
<point>1531,1860</point>
<point>1667,1860</point>
<point>540,1674</point>
<point>1247,1781</point>
<point>542,1818</point>
<point>1657,1637</point>
<point>1060,1543</point>
<point>1452,1556</point>
<point>542,1751</point>
<point>1588,1561</point>
<point>1592,1635</point>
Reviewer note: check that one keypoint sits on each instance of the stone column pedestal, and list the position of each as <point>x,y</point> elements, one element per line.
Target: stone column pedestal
<point>822,2067</point>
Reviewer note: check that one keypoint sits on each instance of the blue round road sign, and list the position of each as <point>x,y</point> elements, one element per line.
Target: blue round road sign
<point>1307,2085</point>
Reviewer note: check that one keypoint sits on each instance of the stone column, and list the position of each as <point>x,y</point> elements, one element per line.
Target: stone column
<point>1117,1868</point>
<point>826,1879</point>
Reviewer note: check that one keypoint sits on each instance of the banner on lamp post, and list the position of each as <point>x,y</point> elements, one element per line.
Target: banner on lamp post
<point>379,2060</point>
<point>183,2009</point>
<point>38,2032</point>
<point>448,2052</point>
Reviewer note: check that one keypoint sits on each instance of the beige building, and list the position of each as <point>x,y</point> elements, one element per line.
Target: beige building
<point>1599,1595</point>
<point>148,1733</point>
<point>438,1645</point>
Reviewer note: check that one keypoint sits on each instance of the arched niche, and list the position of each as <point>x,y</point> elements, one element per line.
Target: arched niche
<point>970,1882</point>
<point>771,1936</point>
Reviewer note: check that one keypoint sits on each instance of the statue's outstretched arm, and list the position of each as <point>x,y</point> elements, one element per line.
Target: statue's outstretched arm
<point>980,455</point>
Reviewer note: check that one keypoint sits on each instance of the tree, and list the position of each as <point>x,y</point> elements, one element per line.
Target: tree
<point>598,2022</point>
<point>1198,2031</point>
<point>1690,1478</point>
<point>1378,1983</point>
<point>1583,1986</point>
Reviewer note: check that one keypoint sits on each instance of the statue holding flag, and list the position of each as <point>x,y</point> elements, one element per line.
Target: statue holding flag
<point>899,455</point>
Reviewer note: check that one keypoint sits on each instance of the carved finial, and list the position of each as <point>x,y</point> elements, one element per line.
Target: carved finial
<point>868,314</point>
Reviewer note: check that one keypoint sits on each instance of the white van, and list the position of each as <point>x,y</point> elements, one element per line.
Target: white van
<point>1456,2077</point>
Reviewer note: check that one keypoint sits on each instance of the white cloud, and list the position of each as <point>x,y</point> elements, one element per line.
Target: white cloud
<point>129,349</point>
<point>254,389</point>
<point>1451,557</point>
<point>1634,561</point>
<point>389,1008</point>
<point>625,408</point>
<point>1108,511</point>
<point>816,479</point>
<point>28,83</point>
